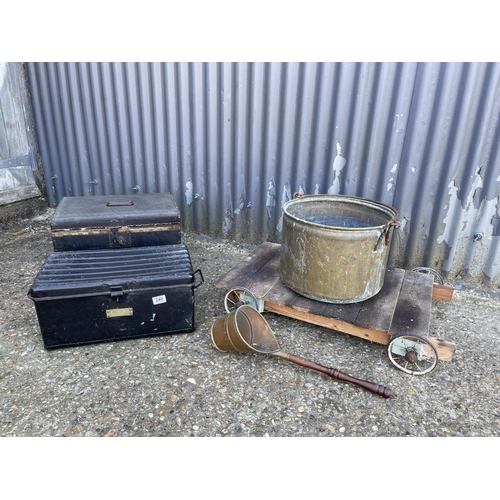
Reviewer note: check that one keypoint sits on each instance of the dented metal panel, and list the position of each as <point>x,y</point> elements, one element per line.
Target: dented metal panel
<point>233,141</point>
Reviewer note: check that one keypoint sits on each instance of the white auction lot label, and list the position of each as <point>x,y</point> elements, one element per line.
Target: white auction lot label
<point>161,299</point>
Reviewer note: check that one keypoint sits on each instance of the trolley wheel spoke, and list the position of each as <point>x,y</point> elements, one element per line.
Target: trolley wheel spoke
<point>428,270</point>
<point>412,354</point>
<point>239,296</point>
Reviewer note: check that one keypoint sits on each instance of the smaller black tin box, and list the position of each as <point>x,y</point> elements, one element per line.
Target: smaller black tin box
<point>115,221</point>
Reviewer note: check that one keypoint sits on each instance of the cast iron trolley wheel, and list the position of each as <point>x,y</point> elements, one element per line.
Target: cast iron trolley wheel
<point>429,270</point>
<point>239,296</point>
<point>412,354</point>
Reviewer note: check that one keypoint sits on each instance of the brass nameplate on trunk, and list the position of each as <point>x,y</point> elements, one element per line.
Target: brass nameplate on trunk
<point>123,311</point>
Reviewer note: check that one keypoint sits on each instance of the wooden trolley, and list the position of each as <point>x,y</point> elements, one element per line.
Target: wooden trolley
<point>398,316</point>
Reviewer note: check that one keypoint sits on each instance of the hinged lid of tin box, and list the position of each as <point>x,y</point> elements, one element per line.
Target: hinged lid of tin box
<point>112,272</point>
<point>115,221</point>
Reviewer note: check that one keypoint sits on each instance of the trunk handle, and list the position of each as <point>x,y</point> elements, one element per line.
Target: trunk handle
<point>198,271</point>
<point>119,203</point>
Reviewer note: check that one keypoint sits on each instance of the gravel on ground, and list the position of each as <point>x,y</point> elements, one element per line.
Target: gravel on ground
<point>181,386</point>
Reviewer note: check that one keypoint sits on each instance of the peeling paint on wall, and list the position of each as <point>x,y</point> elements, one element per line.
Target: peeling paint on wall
<point>270,199</point>
<point>189,192</point>
<point>339,163</point>
<point>286,195</point>
<point>451,208</point>
<point>242,198</point>
<point>468,230</point>
<point>392,180</point>
<point>495,221</point>
<point>228,218</point>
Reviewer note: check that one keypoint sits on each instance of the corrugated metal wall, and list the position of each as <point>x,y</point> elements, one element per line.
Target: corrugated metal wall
<point>233,141</point>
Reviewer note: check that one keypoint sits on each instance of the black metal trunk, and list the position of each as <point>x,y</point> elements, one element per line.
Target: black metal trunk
<point>85,297</point>
<point>115,221</point>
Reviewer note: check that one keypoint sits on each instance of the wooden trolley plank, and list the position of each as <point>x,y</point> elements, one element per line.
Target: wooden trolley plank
<point>331,323</point>
<point>378,314</point>
<point>279,295</point>
<point>345,312</point>
<point>267,276</point>
<point>306,305</point>
<point>443,293</point>
<point>403,305</point>
<point>244,270</point>
<point>412,314</point>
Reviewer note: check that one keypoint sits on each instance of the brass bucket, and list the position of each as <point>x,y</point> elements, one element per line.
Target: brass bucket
<point>334,248</point>
<point>246,330</point>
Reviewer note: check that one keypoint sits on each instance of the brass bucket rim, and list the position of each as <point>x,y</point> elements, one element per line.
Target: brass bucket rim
<point>328,197</point>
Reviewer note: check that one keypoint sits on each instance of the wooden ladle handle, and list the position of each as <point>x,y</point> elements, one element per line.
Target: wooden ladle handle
<point>380,390</point>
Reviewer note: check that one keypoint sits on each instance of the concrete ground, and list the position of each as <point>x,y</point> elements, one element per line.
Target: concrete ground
<point>180,385</point>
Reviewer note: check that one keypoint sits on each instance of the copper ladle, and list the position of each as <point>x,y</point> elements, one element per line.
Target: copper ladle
<point>246,330</point>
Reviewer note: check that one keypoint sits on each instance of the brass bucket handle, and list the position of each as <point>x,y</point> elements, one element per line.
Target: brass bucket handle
<point>386,231</point>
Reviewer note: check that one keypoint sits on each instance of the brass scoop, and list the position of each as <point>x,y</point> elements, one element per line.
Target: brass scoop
<point>246,330</point>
